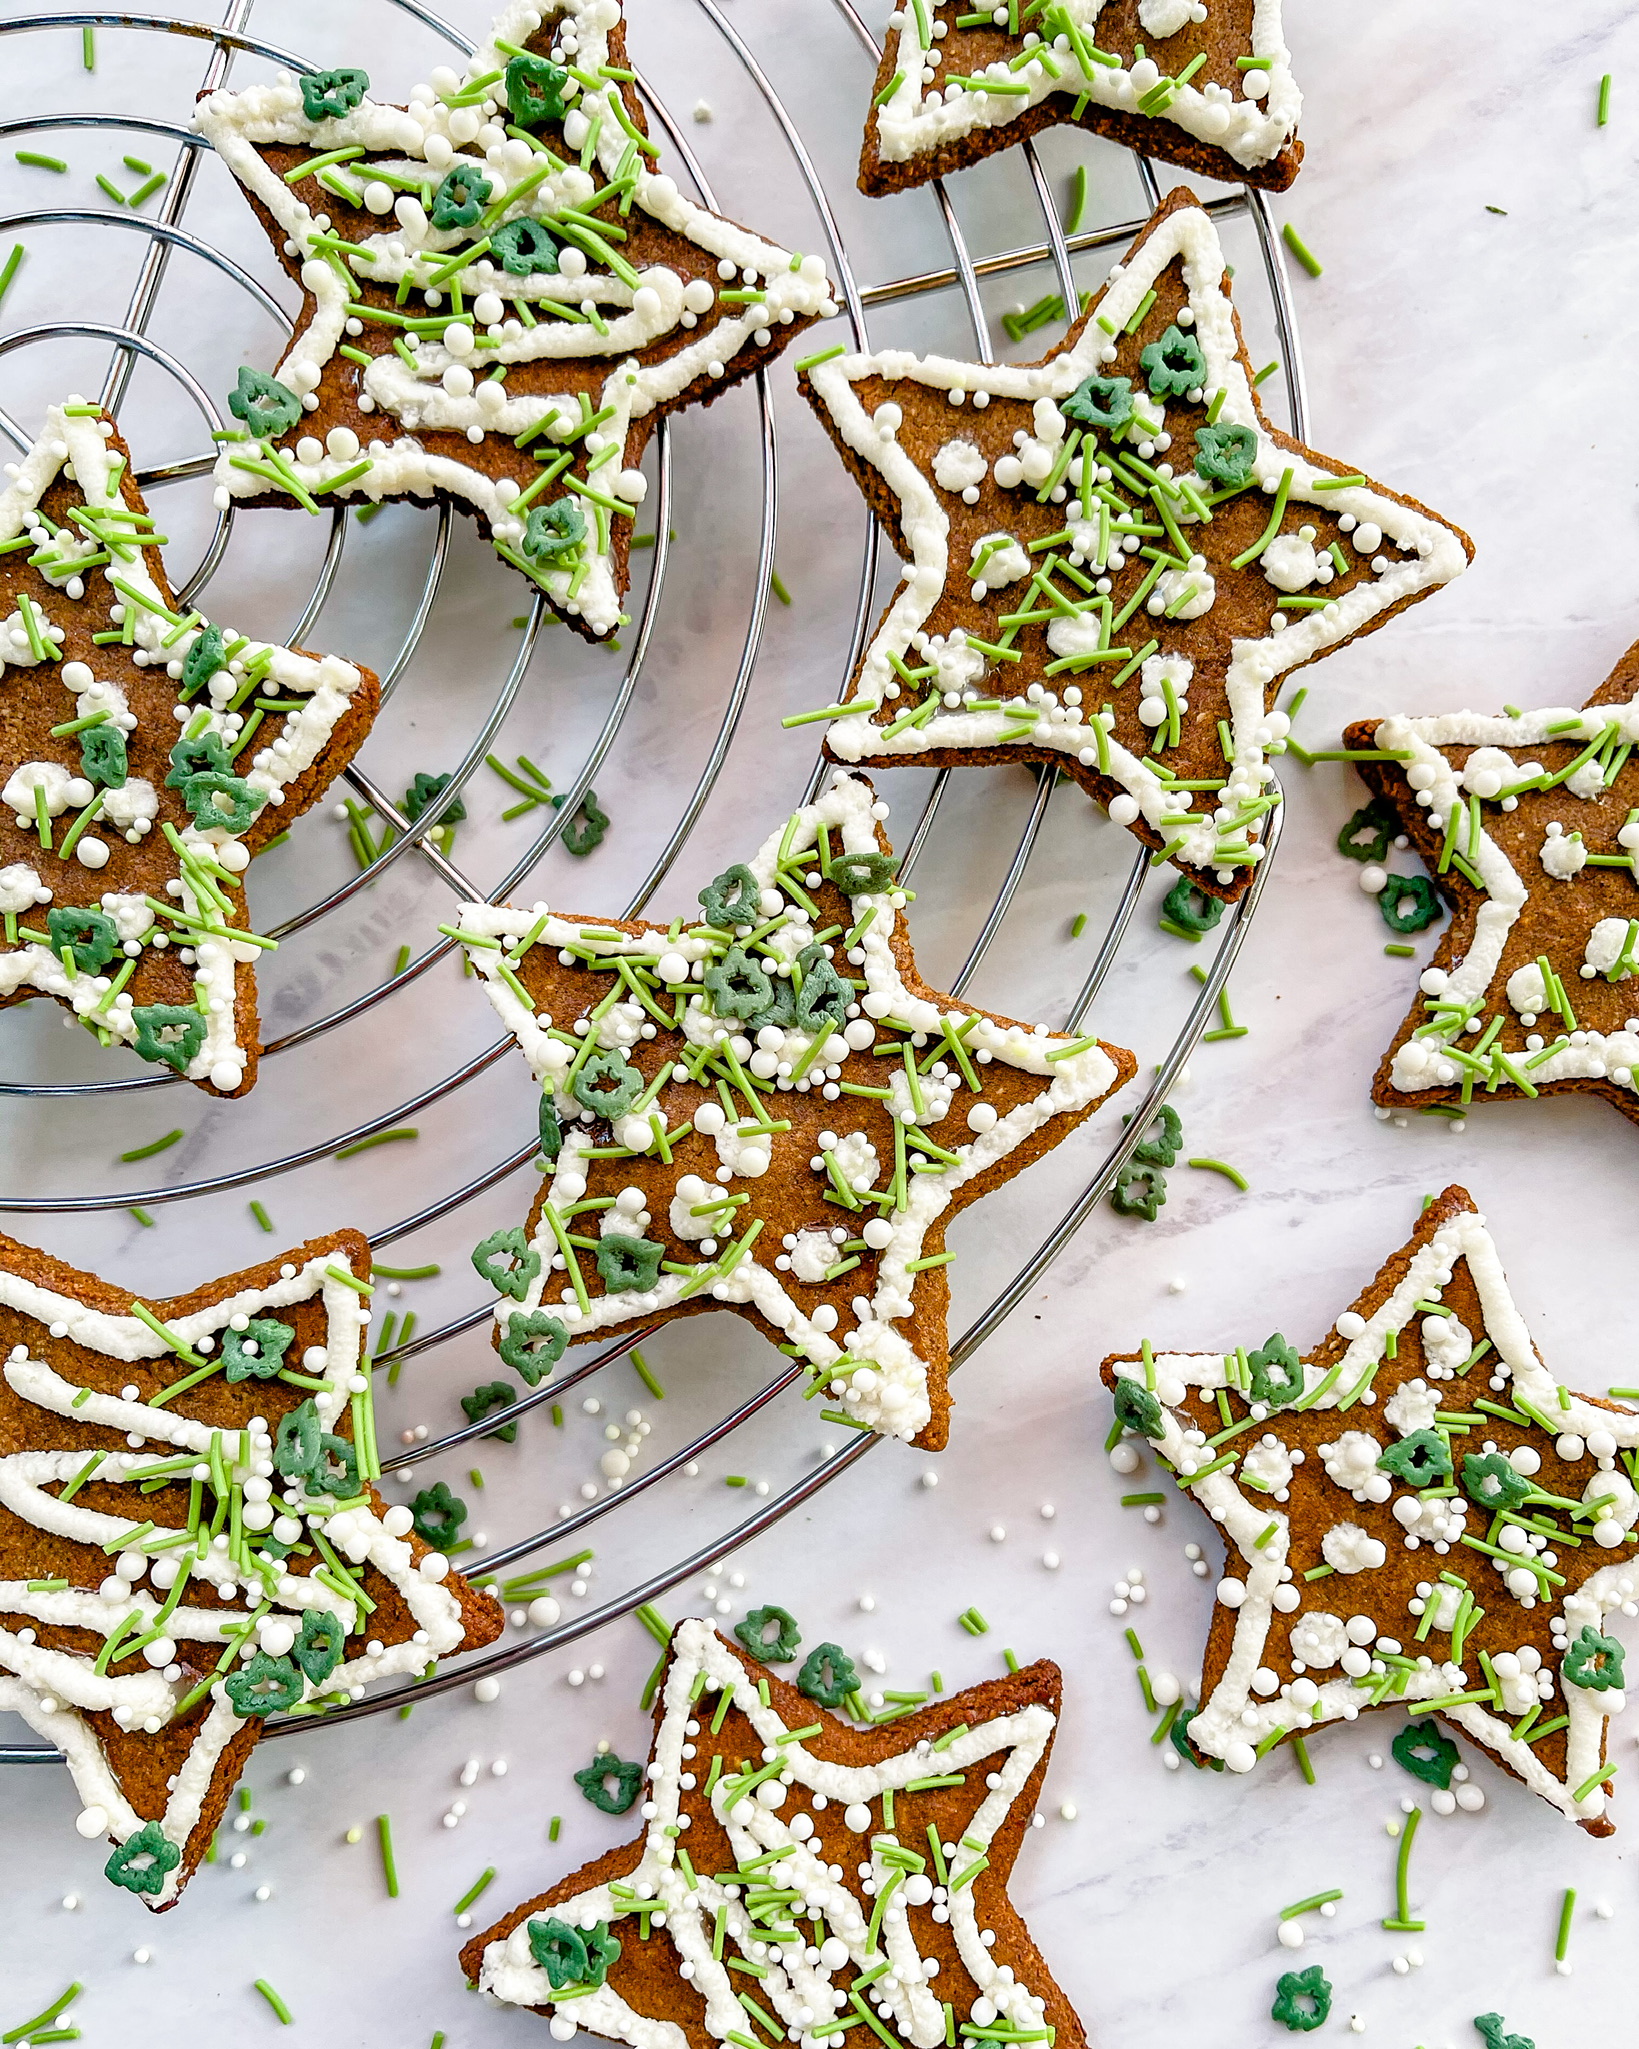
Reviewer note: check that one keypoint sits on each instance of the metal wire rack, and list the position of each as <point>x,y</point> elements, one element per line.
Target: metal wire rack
<point>128,341</point>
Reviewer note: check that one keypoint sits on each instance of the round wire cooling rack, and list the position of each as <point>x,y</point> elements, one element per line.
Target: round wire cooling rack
<point>129,342</point>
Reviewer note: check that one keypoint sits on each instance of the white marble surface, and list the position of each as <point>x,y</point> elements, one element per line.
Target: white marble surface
<point>1480,361</point>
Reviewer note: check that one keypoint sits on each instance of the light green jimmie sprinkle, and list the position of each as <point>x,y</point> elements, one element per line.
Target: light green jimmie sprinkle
<point>44,2020</point>
<point>157,1145</point>
<point>1295,242</point>
<point>1222,1167</point>
<point>262,1985</point>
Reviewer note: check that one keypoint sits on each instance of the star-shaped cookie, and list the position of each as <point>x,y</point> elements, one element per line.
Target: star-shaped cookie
<point>1210,90</point>
<point>1417,1514</point>
<point>190,1539</point>
<point>145,757</point>
<point>1112,557</point>
<point>1528,823</point>
<point>797,1878</point>
<point>766,1108</point>
<point>502,296</point>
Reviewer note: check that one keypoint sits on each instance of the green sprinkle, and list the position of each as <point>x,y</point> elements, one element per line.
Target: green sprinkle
<point>1402,1922</point>
<point>1400,952</point>
<point>378,1138</point>
<point>158,1145</point>
<point>1295,242</point>
<point>261,1216</point>
<point>1141,1500</point>
<point>1604,116</point>
<point>406,1273</point>
<point>1568,1904</point>
<point>734,1479</point>
<point>39,162</point>
<point>44,2020</point>
<point>778,588</point>
<point>262,1984</point>
<point>113,191</point>
<point>1308,1906</point>
<point>1078,199</point>
<point>1228,1172</point>
<point>482,1885</point>
<point>1498,209</point>
<point>147,190</point>
<point>824,356</point>
<point>1078,925</point>
<point>13,265</point>
<point>641,1366</point>
<point>88,48</point>
<point>1267,371</point>
<point>389,1867</point>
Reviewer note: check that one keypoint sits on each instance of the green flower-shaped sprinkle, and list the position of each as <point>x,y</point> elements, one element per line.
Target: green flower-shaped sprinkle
<point>327,95</point>
<point>266,406</point>
<point>1139,1191</point>
<point>1422,1460</point>
<point>485,1400</point>
<point>737,985</point>
<point>610,1783</point>
<point>1303,2000</point>
<point>1100,402</point>
<point>607,1084</point>
<point>1174,364</point>
<point>1421,1750</point>
<point>1277,1371</point>
<point>778,1649</point>
<point>508,1261</point>
<point>264,1686</point>
<point>1137,1408</point>
<point>625,1264</point>
<point>142,1860</point>
<point>732,898</point>
<point>1408,903</point>
<point>533,1344</point>
<point>258,1349</point>
<point>437,1515</point>
<point>463,193</point>
<point>1593,1661</point>
<point>93,936</point>
<point>168,1032</point>
<point>1226,455</point>
<point>1492,1482</point>
<point>828,1675</point>
<point>1159,1148</point>
<point>319,1647</point>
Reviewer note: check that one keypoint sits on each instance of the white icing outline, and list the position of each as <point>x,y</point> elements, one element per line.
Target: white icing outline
<point>1416,1065</point>
<point>846,807</point>
<point>915,119</point>
<point>1220,1726</point>
<point>1186,233</point>
<point>31,1676</point>
<point>325,681</point>
<point>510,1976</point>
<point>235,122</point>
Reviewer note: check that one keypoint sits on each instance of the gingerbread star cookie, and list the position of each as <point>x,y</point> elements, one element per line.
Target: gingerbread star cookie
<point>190,1536</point>
<point>797,1878</point>
<point>145,757</point>
<point>502,295</point>
<point>1417,1514</point>
<point>766,1108</point>
<point>1208,88</point>
<point>1112,558</point>
<point>1529,823</point>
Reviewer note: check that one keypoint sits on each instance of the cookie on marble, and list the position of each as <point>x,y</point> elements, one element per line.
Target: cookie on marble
<point>1204,84</point>
<point>1113,560</point>
<point>1528,822</point>
<point>191,1538</point>
<point>146,756</point>
<point>797,1878</point>
<point>765,1108</point>
<point>1417,1515</point>
<point>503,296</point>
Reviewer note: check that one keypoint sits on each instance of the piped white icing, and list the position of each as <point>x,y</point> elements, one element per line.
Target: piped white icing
<point>799,1983</point>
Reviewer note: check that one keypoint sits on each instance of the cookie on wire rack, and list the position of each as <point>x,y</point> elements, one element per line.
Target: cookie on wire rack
<point>1112,557</point>
<point>766,1108</point>
<point>737,1912</point>
<point>146,756</point>
<point>191,1537</point>
<point>1417,1515</point>
<point>1210,89</point>
<point>1528,822</point>
<point>502,296</point>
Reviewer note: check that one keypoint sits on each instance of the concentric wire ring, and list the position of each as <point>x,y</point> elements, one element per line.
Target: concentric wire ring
<point>964,274</point>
